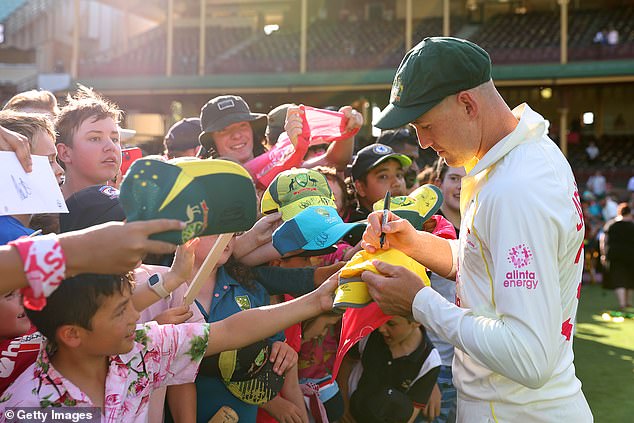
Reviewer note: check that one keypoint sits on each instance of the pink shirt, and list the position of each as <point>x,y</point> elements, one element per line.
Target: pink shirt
<point>162,355</point>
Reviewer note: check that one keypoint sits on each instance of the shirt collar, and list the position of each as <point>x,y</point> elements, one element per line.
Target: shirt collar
<point>63,392</point>
<point>531,125</point>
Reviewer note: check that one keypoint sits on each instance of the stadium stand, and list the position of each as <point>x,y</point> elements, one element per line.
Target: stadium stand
<point>365,44</point>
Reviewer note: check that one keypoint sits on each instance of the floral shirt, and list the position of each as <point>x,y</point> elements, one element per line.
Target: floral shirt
<point>162,355</point>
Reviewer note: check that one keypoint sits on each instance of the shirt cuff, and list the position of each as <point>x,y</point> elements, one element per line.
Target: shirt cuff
<point>436,313</point>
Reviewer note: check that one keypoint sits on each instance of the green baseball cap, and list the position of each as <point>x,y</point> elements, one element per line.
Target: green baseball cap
<point>210,196</point>
<point>435,68</point>
<point>295,190</point>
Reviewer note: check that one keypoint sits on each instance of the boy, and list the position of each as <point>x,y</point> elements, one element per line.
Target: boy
<point>97,356</point>
<point>375,170</point>
<point>34,101</point>
<point>39,130</point>
<point>88,141</point>
<point>399,367</point>
<point>403,141</point>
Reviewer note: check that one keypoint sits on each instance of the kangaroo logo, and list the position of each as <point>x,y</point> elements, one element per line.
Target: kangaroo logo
<point>197,216</point>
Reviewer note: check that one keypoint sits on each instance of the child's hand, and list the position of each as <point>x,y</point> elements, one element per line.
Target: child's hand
<point>283,356</point>
<point>183,264</point>
<point>174,316</point>
<point>355,119</point>
<point>432,409</point>
<point>326,292</point>
<point>294,124</point>
<point>283,410</point>
<point>324,272</point>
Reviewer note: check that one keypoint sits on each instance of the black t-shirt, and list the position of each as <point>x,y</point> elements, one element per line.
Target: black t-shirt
<point>389,388</point>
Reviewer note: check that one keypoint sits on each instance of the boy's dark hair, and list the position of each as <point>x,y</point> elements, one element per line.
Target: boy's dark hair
<point>348,192</point>
<point>397,138</point>
<point>76,301</point>
<point>84,105</point>
<point>33,99</point>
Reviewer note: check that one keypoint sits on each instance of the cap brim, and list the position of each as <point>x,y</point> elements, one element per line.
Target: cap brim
<point>291,210</point>
<point>330,236</point>
<point>394,116</point>
<point>233,118</point>
<point>402,158</point>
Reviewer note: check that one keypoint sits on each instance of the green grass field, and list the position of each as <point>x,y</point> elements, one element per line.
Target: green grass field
<point>604,357</point>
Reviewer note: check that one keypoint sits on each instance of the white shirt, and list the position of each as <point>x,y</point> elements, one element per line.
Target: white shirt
<point>520,261</point>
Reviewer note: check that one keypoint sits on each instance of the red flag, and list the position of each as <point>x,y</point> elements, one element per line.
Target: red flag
<point>283,156</point>
<point>318,127</point>
<point>321,126</point>
<point>444,228</point>
<point>356,324</point>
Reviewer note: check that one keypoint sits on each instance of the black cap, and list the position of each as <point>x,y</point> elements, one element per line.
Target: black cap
<point>222,111</point>
<point>91,206</point>
<point>373,155</point>
<point>183,135</point>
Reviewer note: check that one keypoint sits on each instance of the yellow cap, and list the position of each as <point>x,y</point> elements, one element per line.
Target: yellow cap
<point>352,292</point>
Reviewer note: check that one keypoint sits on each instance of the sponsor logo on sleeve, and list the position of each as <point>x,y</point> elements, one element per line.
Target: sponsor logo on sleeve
<point>520,257</point>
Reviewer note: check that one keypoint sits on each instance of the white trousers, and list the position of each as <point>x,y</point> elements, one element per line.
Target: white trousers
<point>572,409</point>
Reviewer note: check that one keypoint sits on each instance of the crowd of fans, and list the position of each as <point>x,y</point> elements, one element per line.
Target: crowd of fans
<point>130,344</point>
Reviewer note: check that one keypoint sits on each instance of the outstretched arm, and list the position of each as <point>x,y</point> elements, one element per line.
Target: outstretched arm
<point>252,325</point>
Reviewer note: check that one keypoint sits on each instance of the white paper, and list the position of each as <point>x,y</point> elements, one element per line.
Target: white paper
<point>28,193</point>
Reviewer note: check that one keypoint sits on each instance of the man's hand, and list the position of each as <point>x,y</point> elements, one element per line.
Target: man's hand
<point>394,289</point>
<point>115,247</point>
<point>174,316</point>
<point>283,410</point>
<point>18,143</point>
<point>400,234</point>
<point>432,409</point>
<point>283,356</point>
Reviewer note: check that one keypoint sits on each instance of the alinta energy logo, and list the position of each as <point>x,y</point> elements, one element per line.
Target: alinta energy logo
<point>520,257</point>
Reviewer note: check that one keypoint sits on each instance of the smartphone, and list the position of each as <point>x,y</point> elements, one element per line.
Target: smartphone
<point>129,156</point>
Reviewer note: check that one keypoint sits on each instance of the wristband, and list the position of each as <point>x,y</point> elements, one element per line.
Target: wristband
<point>44,268</point>
<point>156,282</point>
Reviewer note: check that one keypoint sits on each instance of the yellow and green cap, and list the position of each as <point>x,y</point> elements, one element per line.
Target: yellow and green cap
<point>295,190</point>
<point>353,292</point>
<point>417,207</point>
<point>210,196</point>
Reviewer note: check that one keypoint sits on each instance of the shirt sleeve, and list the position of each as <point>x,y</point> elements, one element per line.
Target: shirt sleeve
<point>519,244</point>
<point>279,280</point>
<point>174,352</point>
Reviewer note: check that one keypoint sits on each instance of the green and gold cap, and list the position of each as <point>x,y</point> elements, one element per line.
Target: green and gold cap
<point>417,207</point>
<point>295,190</point>
<point>210,196</point>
